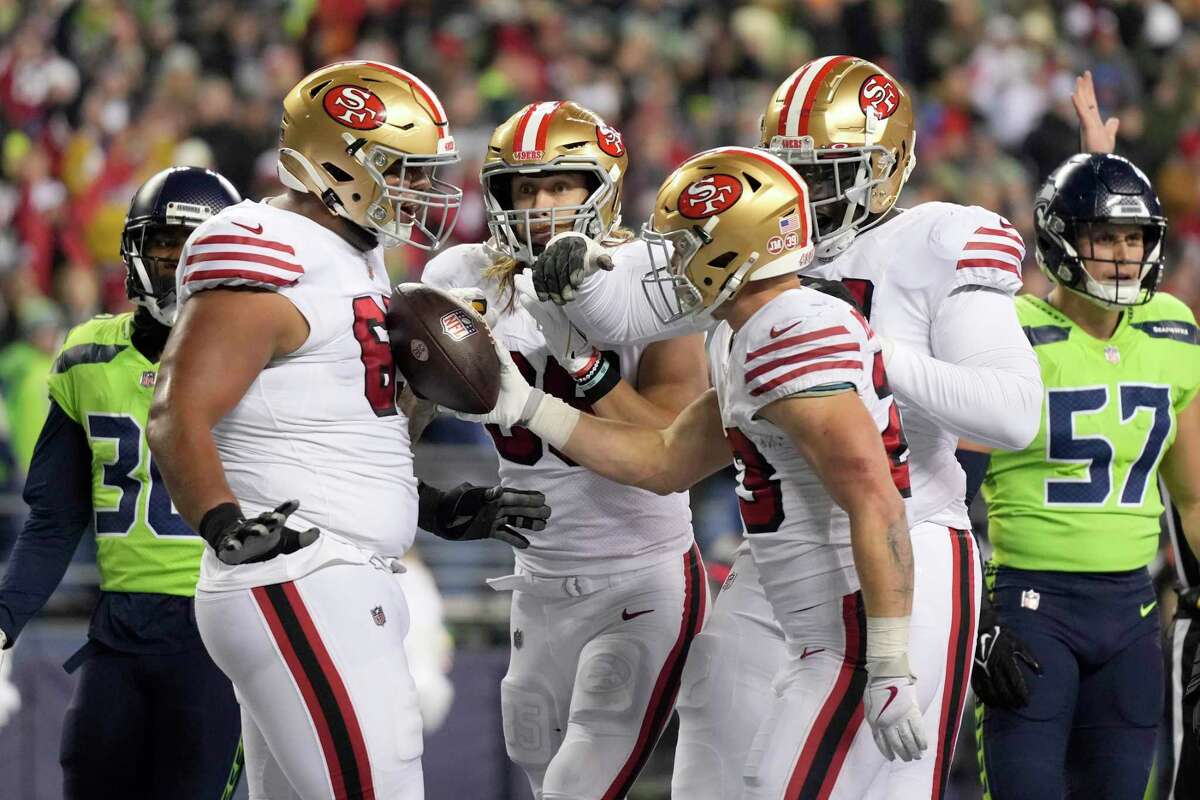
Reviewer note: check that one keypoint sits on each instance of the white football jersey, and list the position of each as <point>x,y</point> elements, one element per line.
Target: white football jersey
<point>321,424</point>
<point>802,342</point>
<point>900,272</point>
<point>596,525</point>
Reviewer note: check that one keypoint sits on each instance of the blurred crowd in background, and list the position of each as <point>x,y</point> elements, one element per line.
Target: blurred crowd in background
<point>96,95</point>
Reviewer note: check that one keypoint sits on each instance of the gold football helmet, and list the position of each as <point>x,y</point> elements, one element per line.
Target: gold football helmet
<point>725,217</point>
<point>552,137</point>
<point>351,128</point>
<point>846,126</point>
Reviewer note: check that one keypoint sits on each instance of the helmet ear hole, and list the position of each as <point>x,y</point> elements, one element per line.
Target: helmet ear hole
<point>722,261</point>
<point>752,182</point>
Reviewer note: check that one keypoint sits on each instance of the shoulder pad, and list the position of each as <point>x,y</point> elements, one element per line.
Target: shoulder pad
<point>235,248</point>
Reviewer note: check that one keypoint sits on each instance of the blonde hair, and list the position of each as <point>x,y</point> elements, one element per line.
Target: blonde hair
<point>504,268</point>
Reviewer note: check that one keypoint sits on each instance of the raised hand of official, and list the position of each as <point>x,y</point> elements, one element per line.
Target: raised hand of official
<point>999,677</point>
<point>238,540</point>
<point>468,512</point>
<point>891,709</point>
<point>569,258</point>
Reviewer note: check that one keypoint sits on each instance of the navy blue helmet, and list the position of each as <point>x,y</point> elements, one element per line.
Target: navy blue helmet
<point>163,213</point>
<point>1078,206</point>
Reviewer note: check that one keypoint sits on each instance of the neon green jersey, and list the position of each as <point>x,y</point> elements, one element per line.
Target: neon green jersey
<point>102,382</point>
<point>1083,497</point>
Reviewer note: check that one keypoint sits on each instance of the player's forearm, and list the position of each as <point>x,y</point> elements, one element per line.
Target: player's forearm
<point>626,404</point>
<point>883,558</point>
<point>1189,518</point>
<point>631,454</point>
<point>612,307</point>
<point>187,456</point>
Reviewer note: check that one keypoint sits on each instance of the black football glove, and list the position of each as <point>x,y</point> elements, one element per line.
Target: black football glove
<point>469,512</point>
<point>238,540</point>
<point>998,679</point>
<point>563,266</point>
<point>832,288</point>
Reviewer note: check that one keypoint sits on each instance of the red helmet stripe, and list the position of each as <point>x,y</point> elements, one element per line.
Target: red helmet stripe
<point>544,125</point>
<point>522,124</point>
<point>418,86</point>
<point>811,96</point>
<point>791,93</point>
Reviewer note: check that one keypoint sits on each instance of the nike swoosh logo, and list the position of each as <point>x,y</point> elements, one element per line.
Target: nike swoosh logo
<point>625,615</point>
<point>255,231</point>
<point>1147,609</point>
<point>775,332</point>
<point>808,652</point>
<point>893,692</point>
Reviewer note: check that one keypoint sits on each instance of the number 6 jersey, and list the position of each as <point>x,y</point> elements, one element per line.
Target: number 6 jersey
<point>320,424</point>
<point>801,343</point>
<point>597,526</point>
<point>1083,496</point>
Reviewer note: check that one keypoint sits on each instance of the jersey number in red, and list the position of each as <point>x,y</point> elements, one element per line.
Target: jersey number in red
<point>760,497</point>
<point>379,373</point>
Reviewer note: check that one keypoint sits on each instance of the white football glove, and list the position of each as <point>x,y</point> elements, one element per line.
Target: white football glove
<point>892,711</point>
<point>566,343</point>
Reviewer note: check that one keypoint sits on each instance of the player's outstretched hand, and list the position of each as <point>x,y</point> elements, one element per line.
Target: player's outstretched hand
<point>567,261</point>
<point>891,709</point>
<point>467,513</point>
<point>1095,134</point>
<point>245,541</point>
<point>999,678</point>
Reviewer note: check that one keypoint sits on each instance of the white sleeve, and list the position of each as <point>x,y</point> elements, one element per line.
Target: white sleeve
<point>613,307</point>
<point>983,381</point>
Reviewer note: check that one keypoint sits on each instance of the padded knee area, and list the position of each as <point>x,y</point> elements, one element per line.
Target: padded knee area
<point>530,717</point>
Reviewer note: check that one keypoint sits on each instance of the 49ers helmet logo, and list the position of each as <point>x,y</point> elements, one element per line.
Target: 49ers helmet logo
<point>610,141</point>
<point>879,92</point>
<point>355,107</point>
<point>710,195</point>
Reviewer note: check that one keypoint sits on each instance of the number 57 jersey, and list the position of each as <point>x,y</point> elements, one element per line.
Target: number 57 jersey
<point>320,424</point>
<point>1083,496</point>
<point>800,344</point>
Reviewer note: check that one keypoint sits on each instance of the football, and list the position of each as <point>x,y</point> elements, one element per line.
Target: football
<point>443,350</point>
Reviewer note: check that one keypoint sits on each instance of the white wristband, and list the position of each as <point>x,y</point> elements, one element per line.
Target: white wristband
<point>553,421</point>
<point>887,645</point>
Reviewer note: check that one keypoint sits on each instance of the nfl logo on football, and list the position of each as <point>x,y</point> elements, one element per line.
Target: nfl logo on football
<point>458,325</point>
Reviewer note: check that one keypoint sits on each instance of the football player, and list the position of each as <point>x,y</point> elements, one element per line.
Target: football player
<point>936,282</point>
<point>279,383</point>
<point>152,715</point>
<point>1071,668</point>
<point>801,402</point>
<point>608,598</point>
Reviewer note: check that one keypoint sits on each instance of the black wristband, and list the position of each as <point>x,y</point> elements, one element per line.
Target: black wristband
<point>602,378</point>
<point>217,519</point>
<point>429,499</point>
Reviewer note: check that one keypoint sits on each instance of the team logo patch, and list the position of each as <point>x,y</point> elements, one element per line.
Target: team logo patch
<point>791,241</point>
<point>610,141</point>
<point>1030,599</point>
<point>419,350</point>
<point>378,616</point>
<point>1112,355</point>
<point>529,155</point>
<point>879,92</point>
<point>710,195</point>
<point>149,378</point>
<point>355,107</point>
<point>458,325</point>
<point>518,639</point>
<point>775,245</point>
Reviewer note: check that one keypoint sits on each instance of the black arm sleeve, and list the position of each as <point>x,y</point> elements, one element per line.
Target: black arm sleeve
<point>58,492</point>
<point>975,464</point>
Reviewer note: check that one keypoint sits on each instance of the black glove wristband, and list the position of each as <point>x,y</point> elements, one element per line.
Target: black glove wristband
<point>429,499</point>
<point>216,521</point>
<point>601,378</point>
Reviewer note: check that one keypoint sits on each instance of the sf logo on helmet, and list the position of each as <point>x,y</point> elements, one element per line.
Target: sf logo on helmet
<point>610,141</point>
<point>879,92</point>
<point>710,195</point>
<point>355,107</point>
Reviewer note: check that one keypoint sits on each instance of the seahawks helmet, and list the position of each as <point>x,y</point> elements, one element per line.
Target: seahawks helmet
<point>163,213</point>
<point>1089,190</point>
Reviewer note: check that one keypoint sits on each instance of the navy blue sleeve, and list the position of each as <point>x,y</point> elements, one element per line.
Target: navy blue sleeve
<point>975,465</point>
<point>58,492</point>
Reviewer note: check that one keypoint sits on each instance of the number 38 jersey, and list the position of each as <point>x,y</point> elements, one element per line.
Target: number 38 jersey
<point>802,343</point>
<point>597,526</point>
<point>321,424</point>
<point>1083,496</point>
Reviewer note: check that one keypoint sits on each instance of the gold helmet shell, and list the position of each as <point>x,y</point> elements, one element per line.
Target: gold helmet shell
<point>553,136</point>
<point>846,126</point>
<point>349,127</point>
<point>724,217</point>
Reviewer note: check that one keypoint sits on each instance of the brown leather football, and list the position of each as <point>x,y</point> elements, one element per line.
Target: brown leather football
<point>444,351</point>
